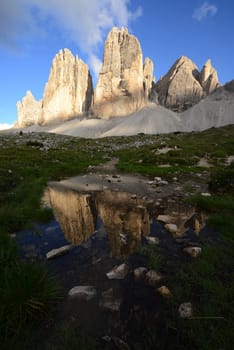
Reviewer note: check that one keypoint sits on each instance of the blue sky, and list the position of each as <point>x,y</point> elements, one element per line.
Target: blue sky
<point>33,31</point>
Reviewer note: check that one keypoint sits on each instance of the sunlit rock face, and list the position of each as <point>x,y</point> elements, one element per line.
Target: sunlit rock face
<point>75,212</point>
<point>68,93</point>
<point>120,87</point>
<point>29,111</point>
<point>125,219</point>
<point>183,85</point>
<point>209,78</point>
<point>69,90</point>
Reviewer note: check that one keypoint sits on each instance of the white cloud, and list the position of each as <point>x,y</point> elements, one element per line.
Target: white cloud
<point>95,63</point>
<point>4,126</point>
<point>204,11</point>
<point>85,22</point>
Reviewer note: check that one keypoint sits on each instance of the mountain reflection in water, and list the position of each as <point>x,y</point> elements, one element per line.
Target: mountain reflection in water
<point>124,217</point>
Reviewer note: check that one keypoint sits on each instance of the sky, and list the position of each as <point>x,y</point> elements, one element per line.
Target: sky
<point>33,31</point>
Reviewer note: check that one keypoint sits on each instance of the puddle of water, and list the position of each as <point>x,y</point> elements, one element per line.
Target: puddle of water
<point>105,227</point>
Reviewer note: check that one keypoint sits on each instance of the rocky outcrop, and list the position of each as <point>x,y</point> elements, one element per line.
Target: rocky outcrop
<point>148,71</point>
<point>69,90</point>
<point>209,78</point>
<point>183,85</point>
<point>29,110</point>
<point>123,85</point>
<point>68,93</point>
<point>180,87</point>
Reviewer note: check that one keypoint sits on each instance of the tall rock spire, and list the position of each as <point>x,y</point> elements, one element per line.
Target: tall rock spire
<point>69,90</point>
<point>120,87</point>
<point>209,78</point>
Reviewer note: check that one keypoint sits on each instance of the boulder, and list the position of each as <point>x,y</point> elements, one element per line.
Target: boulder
<point>165,292</point>
<point>82,292</point>
<point>152,278</point>
<point>118,272</point>
<point>194,252</point>
<point>139,273</point>
<point>185,310</point>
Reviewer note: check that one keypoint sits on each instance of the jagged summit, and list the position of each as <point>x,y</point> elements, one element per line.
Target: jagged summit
<point>125,85</point>
<point>122,86</point>
<point>183,85</point>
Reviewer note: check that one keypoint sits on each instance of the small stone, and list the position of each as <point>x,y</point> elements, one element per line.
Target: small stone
<point>110,304</point>
<point>194,252</point>
<point>118,272</point>
<point>172,228</point>
<point>166,218</point>
<point>134,196</point>
<point>139,273</point>
<point>206,194</point>
<point>157,179</point>
<point>152,278</point>
<point>152,240</point>
<point>165,292</point>
<point>82,292</point>
<point>163,182</point>
<point>185,310</point>
<point>59,251</point>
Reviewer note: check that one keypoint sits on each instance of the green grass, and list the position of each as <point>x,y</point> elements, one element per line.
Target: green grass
<point>28,292</point>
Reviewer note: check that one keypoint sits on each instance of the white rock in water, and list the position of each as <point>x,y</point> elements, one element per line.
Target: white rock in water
<point>82,292</point>
<point>118,272</point>
<point>59,251</point>
<point>167,219</point>
<point>171,228</point>
<point>152,240</point>
<point>185,310</point>
<point>193,251</point>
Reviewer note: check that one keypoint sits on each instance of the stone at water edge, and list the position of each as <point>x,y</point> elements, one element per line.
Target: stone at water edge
<point>172,228</point>
<point>165,292</point>
<point>194,252</point>
<point>167,219</point>
<point>185,310</point>
<point>82,292</point>
<point>118,272</point>
<point>59,251</point>
<point>152,240</point>
<point>152,278</point>
<point>139,273</point>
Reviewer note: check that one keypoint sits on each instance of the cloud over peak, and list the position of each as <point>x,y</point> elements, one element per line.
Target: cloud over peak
<point>204,11</point>
<point>84,22</point>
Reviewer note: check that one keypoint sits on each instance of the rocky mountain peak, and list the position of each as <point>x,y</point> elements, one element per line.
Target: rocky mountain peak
<point>183,85</point>
<point>209,78</point>
<point>29,110</point>
<point>180,88</point>
<point>69,90</point>
<point>120,87</point>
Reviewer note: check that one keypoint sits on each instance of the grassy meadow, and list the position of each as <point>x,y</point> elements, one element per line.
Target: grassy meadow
<point>28,293</point>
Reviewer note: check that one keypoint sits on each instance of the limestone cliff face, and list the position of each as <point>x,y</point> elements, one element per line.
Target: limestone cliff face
<point>180,88</point>
<point>209,78</point>
<point>69,90</point>
<point>120,87</point>
<point>148,71</point>
<point>29,110</point>
<point>183,85</point>
<point>68,93</point>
